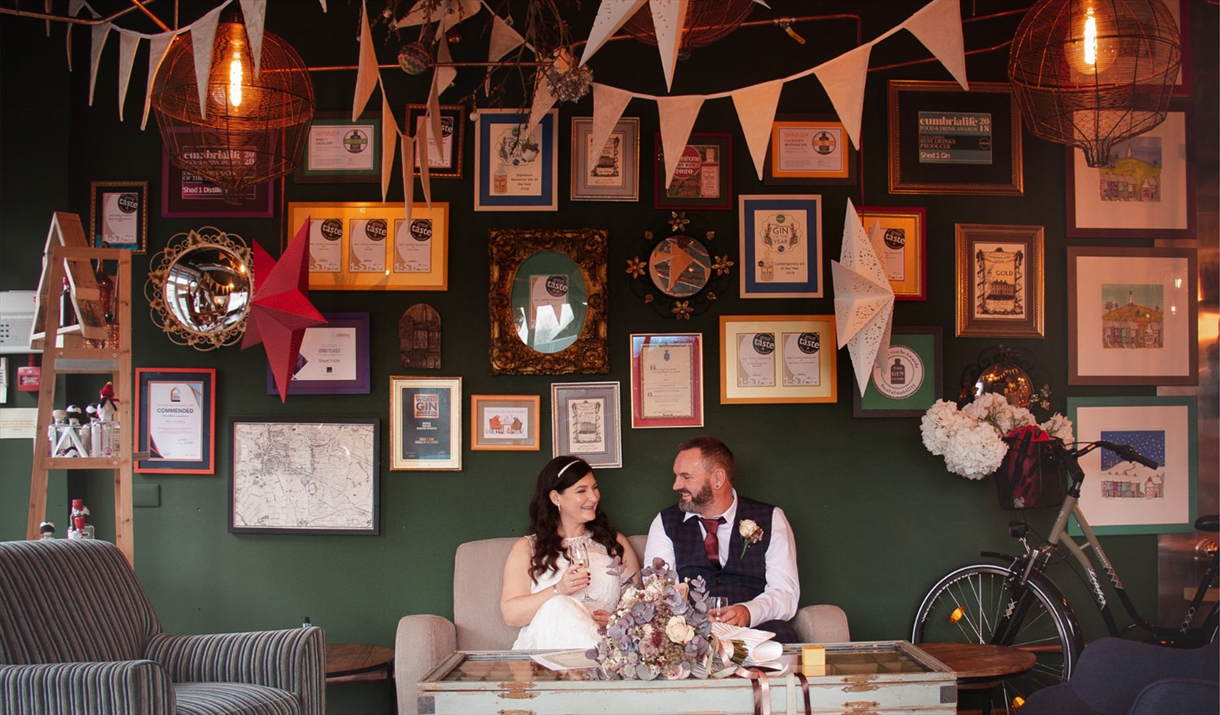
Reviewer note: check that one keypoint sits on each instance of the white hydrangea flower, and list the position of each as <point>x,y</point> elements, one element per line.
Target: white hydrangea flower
<point>1060,427</point>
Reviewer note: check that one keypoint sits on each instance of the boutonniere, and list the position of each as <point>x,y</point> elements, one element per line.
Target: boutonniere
<point>751,533</point>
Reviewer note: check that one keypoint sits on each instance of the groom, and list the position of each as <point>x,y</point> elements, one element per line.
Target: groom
<point>701,536</point>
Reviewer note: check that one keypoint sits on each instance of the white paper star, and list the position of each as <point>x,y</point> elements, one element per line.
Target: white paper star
<point>864,299</point>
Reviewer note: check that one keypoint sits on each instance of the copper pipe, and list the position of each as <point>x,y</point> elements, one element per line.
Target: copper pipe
<point>151,16</point>
<point>72,20</point>
<point>335,68</point>
<point>933,59</point>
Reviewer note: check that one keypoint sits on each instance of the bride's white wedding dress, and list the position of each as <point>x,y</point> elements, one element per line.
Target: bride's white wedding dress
<point>564,622</point>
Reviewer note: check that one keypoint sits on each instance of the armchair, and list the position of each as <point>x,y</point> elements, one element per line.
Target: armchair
<point>424,640</point>
<point>79,635</point>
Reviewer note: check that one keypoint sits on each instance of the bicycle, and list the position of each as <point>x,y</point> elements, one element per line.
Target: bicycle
<point>1011,600</point>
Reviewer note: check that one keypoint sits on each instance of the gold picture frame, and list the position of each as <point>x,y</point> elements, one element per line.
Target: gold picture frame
<point>1000,281</point>
<point>581,252</point>
<point>778,358</point>
<point>344,238</point>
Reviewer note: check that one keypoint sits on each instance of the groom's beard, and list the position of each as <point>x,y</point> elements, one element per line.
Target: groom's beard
<point>696,501</point>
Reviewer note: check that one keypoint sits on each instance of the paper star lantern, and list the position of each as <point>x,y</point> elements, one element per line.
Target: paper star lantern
<point>281,311</point>
<point>864,299</point>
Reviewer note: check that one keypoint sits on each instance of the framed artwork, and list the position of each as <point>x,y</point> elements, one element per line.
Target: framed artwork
<point>548,301</point>
<point>512,172</point>
<point>1120,497</point>
<point>504,422</point>
<point>333,360</point>
<point>1147,190</point>
<point>911,380</point>
<point>777,358</point>
<point>947,141</point>
<point>118,215</point>
<point>362,245</point>
<point>185,194</point>
<point>425,424</point>
<point>445,158</point>
<point>1000,281</point>
<point>586,422</point>
<point>1132,316</point>
<point>614,173</point>
<point>781,246</point>
<point>340,150</point>
<point>666,380</point>
<point>703,178</point>
<point>176,420</point>
<point>304,476</point>
<point>809,150</point>
<point>902,245</point>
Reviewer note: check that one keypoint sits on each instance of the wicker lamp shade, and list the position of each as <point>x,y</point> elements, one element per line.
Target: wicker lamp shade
<point>1092,73</point>
<point>254,127</point>
<point>706,22</point>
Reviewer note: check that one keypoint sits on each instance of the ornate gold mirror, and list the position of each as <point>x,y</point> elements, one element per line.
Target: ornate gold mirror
<point>548,302</point>
<point>200,287</point>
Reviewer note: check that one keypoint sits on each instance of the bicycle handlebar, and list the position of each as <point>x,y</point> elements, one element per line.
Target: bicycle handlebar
<point>1126,451</point>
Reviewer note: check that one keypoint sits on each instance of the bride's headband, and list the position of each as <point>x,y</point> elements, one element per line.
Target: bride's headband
<point>565,468</point>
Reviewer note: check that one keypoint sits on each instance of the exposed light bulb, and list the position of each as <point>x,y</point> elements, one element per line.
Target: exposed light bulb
<point>1090,38</point>
<point>235,77</point>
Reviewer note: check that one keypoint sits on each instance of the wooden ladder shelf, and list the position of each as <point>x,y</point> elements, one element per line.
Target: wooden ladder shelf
<point>74,351</point>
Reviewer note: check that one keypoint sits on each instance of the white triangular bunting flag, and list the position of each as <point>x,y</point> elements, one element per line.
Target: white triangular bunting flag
<point>611,15</point>
<point>668,17</point>
<point>158,45</point>
<point>129,42</point>
<point>203,31</point>
<point>367,74</point>
<point>678,115</point>
<point>389,139</point>
<point>843,78</point>
<point>544,99</point>
<point>938,25</point>
<point>608,105</point>
<point>756,112</point>
<point>444,75</point>
<point>254,12</point>
<point>408,179</point>
<point>425,175</point>
<point>98,41</point>
<point>74,8</point>
<point>432,127</point>
<point>323,2</point>
<point>504,39</point>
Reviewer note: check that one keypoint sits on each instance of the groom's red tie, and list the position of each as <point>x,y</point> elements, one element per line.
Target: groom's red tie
<point>711,545</point>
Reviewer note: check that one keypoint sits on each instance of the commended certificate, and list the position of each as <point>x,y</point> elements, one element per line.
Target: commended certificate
<point>756,360</point>
<point>175,415</point>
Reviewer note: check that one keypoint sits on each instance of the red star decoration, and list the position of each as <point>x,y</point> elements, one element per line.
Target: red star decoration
<point>281,310</point>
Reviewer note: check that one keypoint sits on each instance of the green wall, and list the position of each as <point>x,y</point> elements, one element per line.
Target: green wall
<point>877,518</point>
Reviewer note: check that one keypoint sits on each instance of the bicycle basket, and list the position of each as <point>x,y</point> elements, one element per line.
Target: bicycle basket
<point>1031,476</point>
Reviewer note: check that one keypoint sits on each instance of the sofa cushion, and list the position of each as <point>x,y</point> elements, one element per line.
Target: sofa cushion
<point>70,601</point>
<point>234,699</point>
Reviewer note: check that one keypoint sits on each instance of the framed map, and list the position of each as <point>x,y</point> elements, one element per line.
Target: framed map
<point>305,476</point>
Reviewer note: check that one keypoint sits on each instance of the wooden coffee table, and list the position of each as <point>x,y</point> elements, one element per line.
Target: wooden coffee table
<point>356,662</point>
<point>981,667</point>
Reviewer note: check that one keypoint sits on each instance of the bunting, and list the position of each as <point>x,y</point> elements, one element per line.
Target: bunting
<point>756,112</point>
<point>203,31</point>
<point>367,74</point>
<point>408,184</point>
<point>608,105</point>
<point>98,41</point>
<point>677,116</point>
<point>129,42</point>
<point>844,78</point>
<point>158,45</point>
<point>504,39</point>
<point>254,12</point>
<point>938,26</point>
<point>389,143</point>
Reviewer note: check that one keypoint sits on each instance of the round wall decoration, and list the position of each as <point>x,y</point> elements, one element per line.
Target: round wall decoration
<point>678,274</point>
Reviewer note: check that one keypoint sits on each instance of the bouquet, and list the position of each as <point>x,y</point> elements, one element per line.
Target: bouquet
<point>971,439</point>
<point>660,629</point>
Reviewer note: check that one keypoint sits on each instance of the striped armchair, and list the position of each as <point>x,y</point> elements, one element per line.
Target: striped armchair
<point>78,635</point>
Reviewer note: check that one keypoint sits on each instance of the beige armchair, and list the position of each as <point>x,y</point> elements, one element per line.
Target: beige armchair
<point>478,570</point>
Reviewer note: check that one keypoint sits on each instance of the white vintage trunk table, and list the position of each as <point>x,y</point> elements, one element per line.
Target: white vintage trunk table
<point>877,677</point>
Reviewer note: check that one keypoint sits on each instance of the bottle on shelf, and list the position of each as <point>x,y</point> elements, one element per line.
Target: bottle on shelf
<point>79,528</point>
<point>67,312</point>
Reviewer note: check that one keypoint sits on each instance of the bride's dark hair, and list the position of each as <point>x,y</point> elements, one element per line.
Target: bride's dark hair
<point>559,474</point>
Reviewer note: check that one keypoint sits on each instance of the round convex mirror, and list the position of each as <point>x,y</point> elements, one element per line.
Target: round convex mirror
<point>548,300</point>
<point>201,288</point>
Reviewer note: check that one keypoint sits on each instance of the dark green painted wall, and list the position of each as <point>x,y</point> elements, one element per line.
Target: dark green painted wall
<point>877,517</point>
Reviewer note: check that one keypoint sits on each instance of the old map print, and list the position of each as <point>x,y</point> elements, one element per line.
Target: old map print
<point>305,476</point>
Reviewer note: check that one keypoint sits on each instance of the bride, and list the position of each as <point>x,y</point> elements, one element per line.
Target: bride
<point>555,600</point>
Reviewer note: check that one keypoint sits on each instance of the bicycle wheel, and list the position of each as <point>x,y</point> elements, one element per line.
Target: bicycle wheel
<point>966,606</point>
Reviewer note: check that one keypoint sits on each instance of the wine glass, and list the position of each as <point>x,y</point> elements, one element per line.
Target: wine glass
<point>715,604</point>
<point>578,553</point>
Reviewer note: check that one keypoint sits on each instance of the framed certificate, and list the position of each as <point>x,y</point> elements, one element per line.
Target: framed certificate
<point>514,172</point>
<point>586,422</point>
<point>781,246</point>
<point>703,178</point>
<point>910,381</point>
<point>185,194</point>
<point>118,215</point>
<point>426,424</point>
<point>504,422</point>
<point>176,420</point>
<point>667,380</point>
<point>901,244</point>
<point>809,150</point>
<point>613,174</point>
<point>445,157</point>
<point>333,360</point>
<point>778,358</point>
<point>340,150</point>
<point>1000,281</point>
